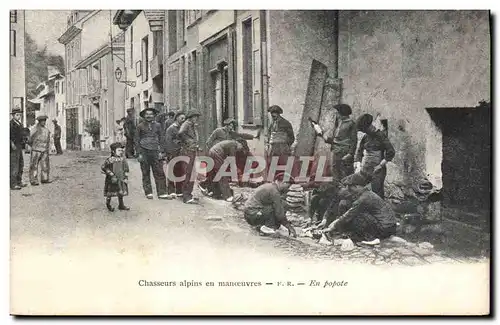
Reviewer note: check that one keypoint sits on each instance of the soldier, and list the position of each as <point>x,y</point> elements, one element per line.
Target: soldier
<point>374,152</point>
<point>343,139</point>
<point>188,134</point>
<point>219,152</point>
<point>40,145</point>
<point>149,145</point>
<point>129,129</point>
<point>279,138</point>
<point>227,132</point>
<point>16,150</point>
<point>368,218</point>
<point>169,120</point>
<point>280,135</point>
<point>265,208</point>
<point>172,150</point>
<point>57,137</point>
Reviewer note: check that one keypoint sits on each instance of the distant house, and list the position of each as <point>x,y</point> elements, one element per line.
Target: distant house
<point>92,90</point>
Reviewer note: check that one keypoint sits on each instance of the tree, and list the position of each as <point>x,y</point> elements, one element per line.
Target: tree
<point>93,127</point>
<point>37,61</point>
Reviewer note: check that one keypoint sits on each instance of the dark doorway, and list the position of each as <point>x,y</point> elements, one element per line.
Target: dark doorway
<point>466,164</point>
<point>72,139</point>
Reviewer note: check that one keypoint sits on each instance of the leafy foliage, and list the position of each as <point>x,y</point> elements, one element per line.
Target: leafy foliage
<point>37,61</point>
<point>93,127</point>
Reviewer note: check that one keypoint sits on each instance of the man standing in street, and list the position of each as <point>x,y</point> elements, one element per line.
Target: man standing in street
<point>16,150</point>
<point>169,120</point>
<point>57,137</point>
<point>172,150</point>
<point>188,134</point>
<point>40,145</point>
<point>280,135</point>
<point>149,143</point>
<point>129,129</point>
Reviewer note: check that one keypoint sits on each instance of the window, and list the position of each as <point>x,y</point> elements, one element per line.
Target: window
<point>13,16</point>
<point>172,32</point>
<point>157,42</point>
<point>62,87</point>
<point>131,47</point>
<point>104,74</point>
<point>193,80</point>
<point>145,59</point>
<point>220,77</point>
<point>12,43</point>
<point>57,109</point>
<point>181,41</point>
<point>247,72</point>
<point>57,87</point>
<point>96,75</point>
<point>106,126</point>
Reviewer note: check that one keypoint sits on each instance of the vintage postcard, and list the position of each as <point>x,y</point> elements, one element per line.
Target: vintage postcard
<point>250,162</point>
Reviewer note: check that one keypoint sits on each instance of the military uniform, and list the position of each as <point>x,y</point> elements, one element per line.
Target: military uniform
<point>219,152</point>
<point>16,152</point>
<point>280,137</point>
<point>149,139</point>
<point>369,217</point>
<point>172,149</point>
<point>40,145</point>
<point>265,207</point>
<point>343,139</point>
<point>188,133</point>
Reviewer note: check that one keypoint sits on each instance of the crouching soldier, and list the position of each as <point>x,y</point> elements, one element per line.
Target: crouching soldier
<point>219,152</point>
<point>40,145</point>
<point>266,210</point>
<point>368,218</point>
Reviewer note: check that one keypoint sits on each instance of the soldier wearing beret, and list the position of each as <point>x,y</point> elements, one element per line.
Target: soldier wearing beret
<point>16,150</point>
<point>40,145</point>
<point>172,150</point>
<point>368,218</point>
<point>343,139</point>
<point>280,136</point>
<point>373,153</point>
<point>227,132</point>
<point>149,138</point>
<point>188,134</point>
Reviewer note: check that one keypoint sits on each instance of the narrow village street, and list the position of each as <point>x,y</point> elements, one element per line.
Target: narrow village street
<point>62,232</point>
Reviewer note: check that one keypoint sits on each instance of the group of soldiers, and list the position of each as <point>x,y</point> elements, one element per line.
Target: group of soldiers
<point>353,203</point>
<point>39,146</point>
<point>160,138</point>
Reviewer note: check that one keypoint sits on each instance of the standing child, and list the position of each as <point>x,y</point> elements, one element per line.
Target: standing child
<point>116,183</point>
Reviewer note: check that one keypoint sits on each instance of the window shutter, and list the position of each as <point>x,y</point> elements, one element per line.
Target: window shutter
<point>231,49</point>
<point>257,72</point>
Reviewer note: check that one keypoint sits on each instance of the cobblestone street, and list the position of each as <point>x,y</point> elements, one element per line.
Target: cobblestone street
<point>64,228</point>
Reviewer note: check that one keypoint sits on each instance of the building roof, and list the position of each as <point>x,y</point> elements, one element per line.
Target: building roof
<point>118,47</point>
<point>69,34</point>
<point>124,18</point>
<point>154,14</point>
